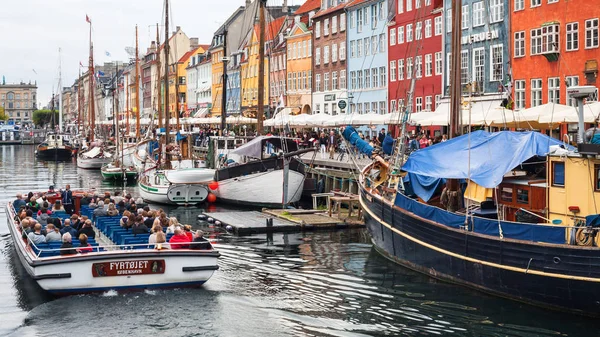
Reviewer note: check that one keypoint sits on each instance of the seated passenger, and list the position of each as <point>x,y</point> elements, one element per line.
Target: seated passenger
<point>84,246</point>
<point>172,224</point>
<point>36,236</point>
<point>188,232</point>
<point>57,208</point>
<point>157,228</point>
<point>68,229</point>
<point>139,227</point>
<point>53,233</point>
<point>33,205</point>
<point>100,211</point>
<point>87,230</point>
<point>43,216</point>
<point>93,203</point>
<point>179,240</point>
<point>124,218</point>
<point>19,202</point>
<point>199,242</point>
<point>161,241</point>
<point>67,247</point>
<point>112,210</point>
<point>85,201</point>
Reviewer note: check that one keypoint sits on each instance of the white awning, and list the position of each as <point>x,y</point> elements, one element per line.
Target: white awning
<point>201,113</point>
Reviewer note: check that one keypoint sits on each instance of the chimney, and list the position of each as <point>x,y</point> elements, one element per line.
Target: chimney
<point>284,9</point>
<point>248,3</point>
<point>177,28</point>
<point>193,43</point>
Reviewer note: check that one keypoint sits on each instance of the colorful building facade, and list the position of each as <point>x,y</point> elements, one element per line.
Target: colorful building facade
<point>299,68</point>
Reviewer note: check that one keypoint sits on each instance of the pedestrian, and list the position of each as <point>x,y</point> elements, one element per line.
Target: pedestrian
<point>331,144</point>
<point>323,144</point>
<point>381,136</point>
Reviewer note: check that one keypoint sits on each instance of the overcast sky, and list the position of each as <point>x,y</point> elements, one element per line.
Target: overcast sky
<point>33,31</point>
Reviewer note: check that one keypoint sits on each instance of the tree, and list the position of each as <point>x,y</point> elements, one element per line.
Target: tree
<point>3,116</point>
<point>44,117</point>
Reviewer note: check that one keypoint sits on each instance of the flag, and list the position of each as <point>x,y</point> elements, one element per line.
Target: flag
<point>281,103</point>
<point>80,64</point>
<point>87,19</point>
<point>107,53</point>
<point>100,73</point>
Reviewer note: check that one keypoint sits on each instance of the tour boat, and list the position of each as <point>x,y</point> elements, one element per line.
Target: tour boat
<point>54,147</point>
<point>119,261</point>
<point>272,177</point>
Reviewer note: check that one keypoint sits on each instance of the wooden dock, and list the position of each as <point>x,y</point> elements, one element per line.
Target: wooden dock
<point>283,220</point>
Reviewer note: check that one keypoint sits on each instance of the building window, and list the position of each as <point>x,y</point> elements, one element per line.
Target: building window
<point>597,178</point>
<point>496,10</point>
<point>318,29</point>
<point>496,63</point>
<point>438,63</point>
<point>545,40</point>
<point>519,94</point>
<point>367,44</point>
<point>400,4</point>
<point>428,28</point>
<point>367,77</point>
<point>359,45</point>
<point>572,36</point>
<point>342,79</point>
<point>478,14</point>
<point>334,24</point>
<point>428,103</point>
<point>375,78</point>
<point>393,105</point>
<point>318,82</point>
<point>382,76</point>
<point>478,65</point>
<point>382,107</point>
<point>409,68</point>
<point>401,35</point>
<point>317,56</point>
<point>438,25</point>
<point>352,80</point>
<point>359,79</point>
<point>334,56</point>
<point>571,81</point>
<point>536,92</point>
<point>359,20</point>
<point>519,5</point>
<point>448,21</point>
<point>558,174</point>
<point>465,17</point>
<point>591,33</point>
<point>418,104</point>
<point>326,27</point>
<point>352,19</point>
<point>506,194</point>
<point>382,43</point>
<point>554,90</point>
<point>419,66</point>
<point>428,65</point>
<point>438,100</point>
<point>419,31</point>
<point>334,80</point>
<point>342,50</point>
<point>326,82</point>
<point>326,108</point>
<point>325,55</point>
<point>393,37</point>
<point>409,33</point>
<point>401,69</point>
<point>342,22</point>
<point>352,49</point>
<point>392,71</point>
<point>373,16</point>
<point>536,3</point>
<point>464,67</point>
<point>520,44</point>
<point>408,5</point>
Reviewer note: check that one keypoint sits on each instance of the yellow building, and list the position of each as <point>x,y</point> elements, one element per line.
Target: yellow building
<point>217,78</point>
<point>177,80</point>
<point>299,69</point>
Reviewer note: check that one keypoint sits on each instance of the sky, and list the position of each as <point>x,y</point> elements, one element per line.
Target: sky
<point>34,30</point>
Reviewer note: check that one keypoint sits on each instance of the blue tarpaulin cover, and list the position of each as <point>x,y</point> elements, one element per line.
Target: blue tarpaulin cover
<point>352,136</point>
<point>388,144</point>
<point>492,156</point>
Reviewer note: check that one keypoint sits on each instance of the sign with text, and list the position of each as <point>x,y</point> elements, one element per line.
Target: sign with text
<point>480,37</point>
<point>329,97</point>
<point>126,268</point>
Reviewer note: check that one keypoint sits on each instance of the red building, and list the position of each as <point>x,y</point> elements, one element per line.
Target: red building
<point>554,45</point>
<point>415,51</point>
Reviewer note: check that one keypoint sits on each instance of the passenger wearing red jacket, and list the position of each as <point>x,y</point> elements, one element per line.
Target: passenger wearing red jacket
<point>180,240</point>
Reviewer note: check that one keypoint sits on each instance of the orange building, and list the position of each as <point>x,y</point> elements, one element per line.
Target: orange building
<point>299,68</point>
<point>554,45</point>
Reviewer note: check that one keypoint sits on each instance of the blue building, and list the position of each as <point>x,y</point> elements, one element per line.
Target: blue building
<point>233,85</point>
<point>367,56</point>
<point>484,51</point>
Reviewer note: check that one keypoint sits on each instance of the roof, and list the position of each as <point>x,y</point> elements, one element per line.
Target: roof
<point>187,55</point>
<point>272,29</point>
<point>330,10</point>
<point>308,6</point>
<point>204,46</point>
<point>353,3</point>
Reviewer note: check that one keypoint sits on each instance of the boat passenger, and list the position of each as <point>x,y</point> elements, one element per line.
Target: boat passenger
<point>57,207</point>
<point>112,210</point>
<point>64,248</point>
<point>36,236</point>
<point>180,240</point>
<point>121,207</point>
<point>33,205</point>
<point>43,216</point>
<point>124,218</point>
<point>172,224</point>
<point>85,201</point>
<point>139,227</point>
<point>67,199</point>
<point>84,246</point>
<point>100,211</point>
<point>87,230</point>
<point>68,229</point>
<point>161,241</point>
<point>44,207</point>
<point>199,242</point>
<point>164,220</point>
<point>156,228</point>
<point>76,222</point>
<point>25,229</point>
<point>107,202</point>
<point>149,220</point>
<point>188,232</point>
<point>93,203</point>
<point>53,233</point>
<point>19,202</point>
<point>139,202</point>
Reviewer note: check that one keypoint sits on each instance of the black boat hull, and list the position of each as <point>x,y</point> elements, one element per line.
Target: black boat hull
<point>54,154</point>
<point>554,276</point>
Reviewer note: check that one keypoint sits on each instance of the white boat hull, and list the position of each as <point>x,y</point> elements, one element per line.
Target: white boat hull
<point>92,163</point>
<point>179,187</point>
<point>263,188</point>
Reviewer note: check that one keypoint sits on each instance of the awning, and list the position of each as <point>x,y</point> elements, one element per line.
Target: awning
<point>478,112</point>
<point>201,113</point>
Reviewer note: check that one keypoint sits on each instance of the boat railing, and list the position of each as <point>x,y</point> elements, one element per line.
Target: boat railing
<point>109,249</point>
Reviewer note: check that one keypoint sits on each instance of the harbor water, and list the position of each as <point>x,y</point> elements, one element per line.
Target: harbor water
<point>323,283</point>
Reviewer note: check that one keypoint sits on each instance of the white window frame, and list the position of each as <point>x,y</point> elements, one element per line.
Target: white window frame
<point>479,64</point>
<point>571,81</point>
<point>409,68</point>
<point>318,29</point>
<point>352,49</point>
<point>419,31</point>
<point>520,94</point>
<point>427,28</point>
<point>334,28</point>
<point>519,47</point>
<point>535,3</point>
<point>437,21</point>
<point>318,56</point>
<point>409,33</point>
<point>428,103</point>
<point>400,5</point>
<point>439,63</point>
<point>334,52</point>
<point>342,22</point>
<point>325,55</point>
<point>400,35</point>
<point>536,92</point>
<point>392,36</point>
<point>478,14</point>
<point>419,66</point>
<point>326,27</point>
<point>392,70</point>
<point>592,38</point>
<point>449,20</point>
<point>519,5</point>
<point>428,65</point>
<point>343,79</point>
<point>342,51</point>
<point>496,11</point>
<point>400,69</point>
<point>572,36</point>
<point>465,17</point>
<point>496,59</point>
<point>418,104</point>
<point>464,67</point>
<point>409,5</point>
<point>554,90</point>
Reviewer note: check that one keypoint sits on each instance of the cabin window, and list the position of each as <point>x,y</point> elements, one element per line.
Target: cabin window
<point>522,196</point>
<point>558,174</point>
<point>507,194</point>
<point>597,178</point>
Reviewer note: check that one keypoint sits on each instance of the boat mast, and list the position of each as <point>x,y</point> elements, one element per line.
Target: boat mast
<point>126,89</point>
<point>60,98</point>
<point>116,108</point>
<point>159,93</point>
<point>261,67</point>
<point>166,78</point>
<point>91,89</point>
<point>177,103</point>
<point>453,195</point>
<point>224,91</point>
<point>137,88</point>
<point>79,97</point>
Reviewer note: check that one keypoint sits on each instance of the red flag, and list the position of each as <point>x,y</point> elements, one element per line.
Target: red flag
<point>87,18</point>
<point>80,64</point>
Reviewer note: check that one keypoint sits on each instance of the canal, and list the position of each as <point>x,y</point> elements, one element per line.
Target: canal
<point>325,283</point>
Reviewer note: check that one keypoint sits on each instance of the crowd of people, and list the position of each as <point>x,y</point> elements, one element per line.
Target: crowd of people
<point>41,221</point>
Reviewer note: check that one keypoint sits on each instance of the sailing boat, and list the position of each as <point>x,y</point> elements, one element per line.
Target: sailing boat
<point>55,146</point>
<point>161,183</point>
<point>93,154</point>
<point>528,229</point>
